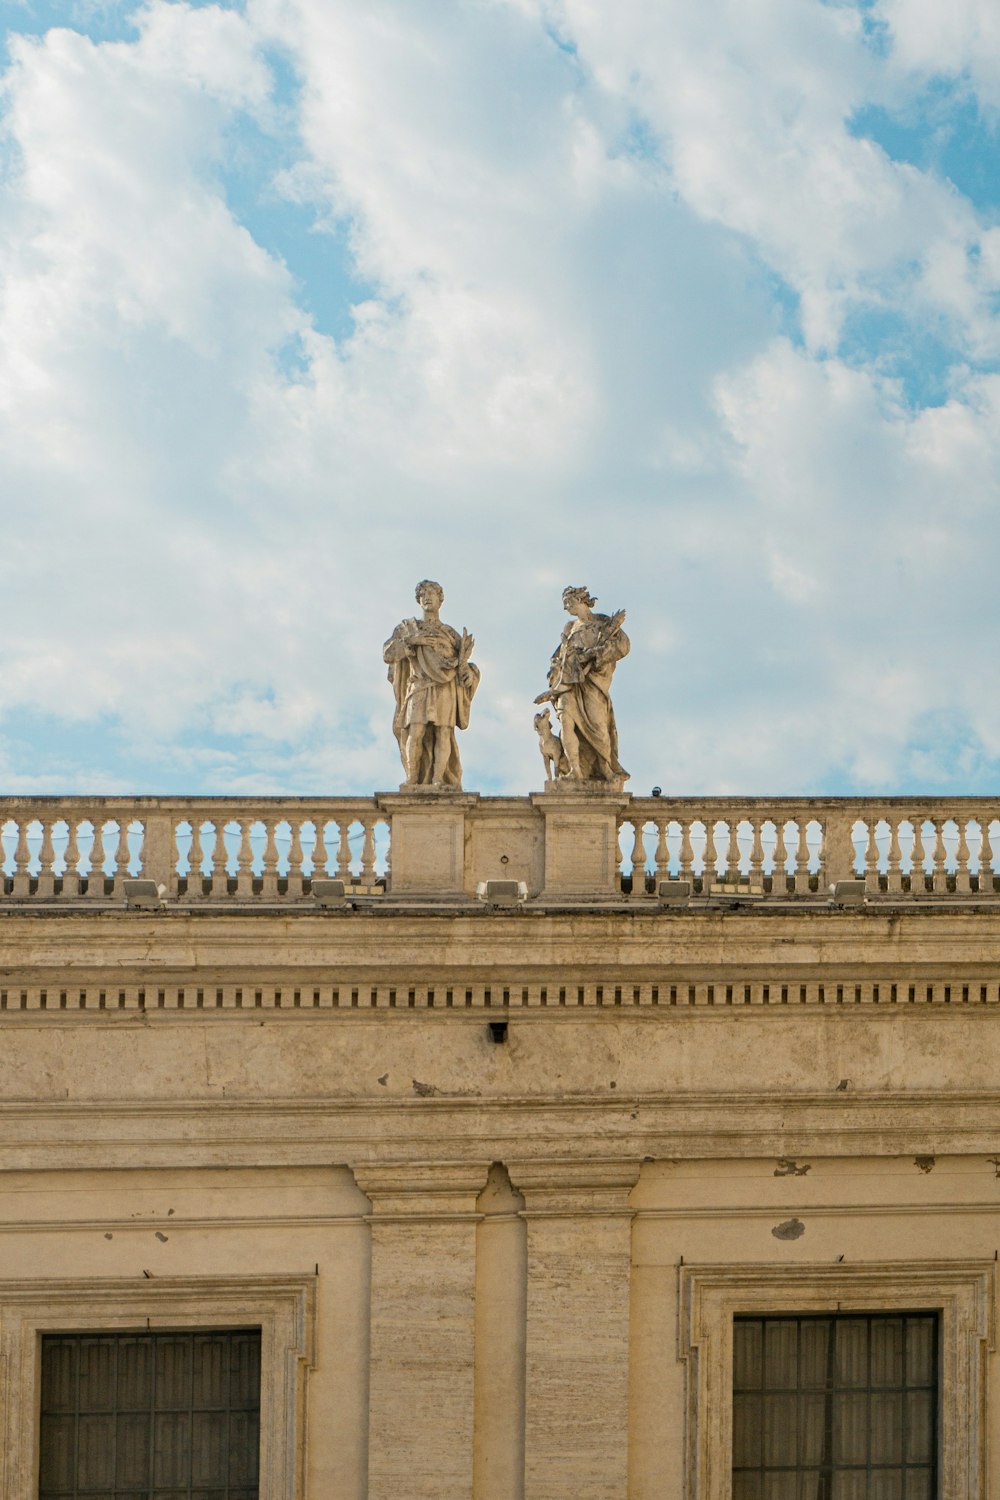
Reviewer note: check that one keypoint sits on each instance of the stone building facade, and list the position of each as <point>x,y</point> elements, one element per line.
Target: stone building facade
<point>537,1179</point>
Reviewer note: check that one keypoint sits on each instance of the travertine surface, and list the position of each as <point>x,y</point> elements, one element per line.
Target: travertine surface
<point>497,1227</point>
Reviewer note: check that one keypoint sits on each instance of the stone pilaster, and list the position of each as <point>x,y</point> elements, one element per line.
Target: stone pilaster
<point>579,1247</point>
<point>423,1282</point>
<point>501,1286</point>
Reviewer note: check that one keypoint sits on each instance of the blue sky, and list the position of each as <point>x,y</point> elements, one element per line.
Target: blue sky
<point>304,300</point>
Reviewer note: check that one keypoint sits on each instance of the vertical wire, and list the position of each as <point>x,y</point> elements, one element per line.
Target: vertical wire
<point>905,1435</point>
<point>116,1344</point>
<point>76,1420</point>
<point>826,1469</point>
<point>869,1414</point>
<point>151,1461</point>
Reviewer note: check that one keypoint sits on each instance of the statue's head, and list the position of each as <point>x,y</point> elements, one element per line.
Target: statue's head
<point>429,592</point>
<point>577,595</point>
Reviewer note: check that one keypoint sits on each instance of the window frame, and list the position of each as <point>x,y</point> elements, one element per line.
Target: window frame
<point>283,1308</point>
<point>962,1293</point>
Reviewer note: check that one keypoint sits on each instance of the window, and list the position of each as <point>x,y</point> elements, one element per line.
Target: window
<point>139,1416</point>
<point>858,1316</point>
<point>835,1408</point>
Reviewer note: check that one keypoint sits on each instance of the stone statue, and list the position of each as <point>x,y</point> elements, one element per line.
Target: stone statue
<point>580,690</point>
<point>434,681</point>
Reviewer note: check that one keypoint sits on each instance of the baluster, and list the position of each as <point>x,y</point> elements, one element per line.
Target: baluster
<point>46,860</point>
<point>270,881</point>
<point>732,849</point>
<point>244,859</point>
<point>757,851</point>
<point>894,876</point>
<point>71,874</point>
<point>638,869</point>
<point>173,879</point>
<point>95,873</point>
<point>4,821</point>
<point>344,850</point>
<point>368,853</point>
<point>319,849</point>
<point>708,868</point>
<point>822,862</point>
<point>853,871</point>
<point>662,856</point>
<point>918,883</point>
<point>122,854</point>
<point>220,858</point>
<point>196,858</point>
<point>939,865</point>
<point>22,858</point>
<point>295,858</point>
<point>985,857</point>
<point>779,875</point>
<point>687,850</point>
<point>725,848</point>
<point>801,872</point>
<point>869,860</point>
<point>963,879</point>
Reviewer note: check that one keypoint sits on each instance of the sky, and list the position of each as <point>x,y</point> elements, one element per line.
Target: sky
<point>302,301</point>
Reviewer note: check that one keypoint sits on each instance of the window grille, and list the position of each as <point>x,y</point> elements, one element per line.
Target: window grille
<point>835,1408</point>
<point>146,1416</point>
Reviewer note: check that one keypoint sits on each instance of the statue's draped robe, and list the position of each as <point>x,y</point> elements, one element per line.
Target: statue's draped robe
<point>424,672</point>
<point>581,690</point>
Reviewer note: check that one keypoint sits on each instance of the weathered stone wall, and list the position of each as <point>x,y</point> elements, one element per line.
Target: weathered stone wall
<point>499,1232</point>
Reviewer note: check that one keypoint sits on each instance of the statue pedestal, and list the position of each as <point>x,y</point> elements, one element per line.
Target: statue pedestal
<point>581,838</point>
<point>428,839</point>
<point>565,786</point>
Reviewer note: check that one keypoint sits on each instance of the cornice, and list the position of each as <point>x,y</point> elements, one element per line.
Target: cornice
<point>473,1132</point>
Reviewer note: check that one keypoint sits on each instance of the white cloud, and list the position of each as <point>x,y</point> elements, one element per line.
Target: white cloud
<point>895,515</point>
<point>962,37</point>
<point>566,365</point>
<point>752,105</point>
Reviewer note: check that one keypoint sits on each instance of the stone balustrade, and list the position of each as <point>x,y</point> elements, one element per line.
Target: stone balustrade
<point>218,848</point>
<point>788,846</point>
<point>560,844</point>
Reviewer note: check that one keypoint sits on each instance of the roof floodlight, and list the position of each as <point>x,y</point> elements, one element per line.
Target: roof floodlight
<point>143,895</point>
<point>673,892</point>
<point>329,893</point>
<point>502,892</point>
<point>848,893</point>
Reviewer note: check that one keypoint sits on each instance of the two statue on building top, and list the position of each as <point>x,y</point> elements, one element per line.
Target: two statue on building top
<point>434,680</point>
